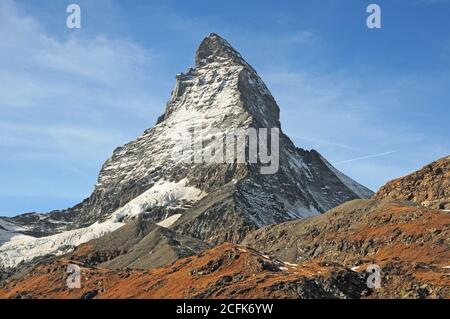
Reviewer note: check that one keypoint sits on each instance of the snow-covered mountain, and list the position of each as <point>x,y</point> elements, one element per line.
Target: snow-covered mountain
<point>213,203</point>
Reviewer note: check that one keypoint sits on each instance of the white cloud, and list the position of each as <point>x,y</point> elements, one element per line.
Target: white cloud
<point>101,59</point>
<point>35,65</point>
<point>75,78</point>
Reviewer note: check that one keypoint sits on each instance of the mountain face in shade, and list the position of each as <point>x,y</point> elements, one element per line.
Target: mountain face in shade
<point>211,203</point>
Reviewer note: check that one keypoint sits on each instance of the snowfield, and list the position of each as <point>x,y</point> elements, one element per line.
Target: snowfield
<point>16,248</point>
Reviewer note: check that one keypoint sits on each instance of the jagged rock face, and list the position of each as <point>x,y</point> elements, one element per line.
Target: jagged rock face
<point>212,202</point>
<point>224,92</point>
<point>429,186</point>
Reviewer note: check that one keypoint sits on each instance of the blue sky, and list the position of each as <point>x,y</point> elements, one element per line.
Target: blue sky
<point>69,97</point>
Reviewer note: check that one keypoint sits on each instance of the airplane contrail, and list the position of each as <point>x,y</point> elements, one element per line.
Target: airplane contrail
<point>325,142</point>
<point>364,157</point>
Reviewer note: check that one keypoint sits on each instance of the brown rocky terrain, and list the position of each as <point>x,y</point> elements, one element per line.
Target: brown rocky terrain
<point>410,243</point>
<point>227,271</point>
<point>317,257</point>
<point>429,186</point>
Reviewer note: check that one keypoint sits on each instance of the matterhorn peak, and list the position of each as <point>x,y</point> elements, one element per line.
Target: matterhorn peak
<point>218,86</point>
<point>214,48</point>
<point>193,173</point>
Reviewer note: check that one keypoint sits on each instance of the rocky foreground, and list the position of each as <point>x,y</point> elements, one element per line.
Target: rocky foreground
<point>318,257</point>
<point>411,244</point>
<point>227,271</point>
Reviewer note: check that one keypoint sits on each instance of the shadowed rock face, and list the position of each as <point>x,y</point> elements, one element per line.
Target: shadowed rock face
<point>429,186</point>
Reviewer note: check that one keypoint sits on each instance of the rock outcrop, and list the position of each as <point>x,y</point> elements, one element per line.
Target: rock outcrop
<point>429,186</point>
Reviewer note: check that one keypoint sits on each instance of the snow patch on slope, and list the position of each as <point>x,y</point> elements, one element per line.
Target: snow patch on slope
<point>13,253</point>
<point>169,221</point>
<point>9,236</point>
<point>163,193</point>
<point>11,227</point>
<point>10,232</point>
<point>26,248</point>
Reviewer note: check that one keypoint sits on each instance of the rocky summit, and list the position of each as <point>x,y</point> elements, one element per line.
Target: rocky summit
<point>201,203</point>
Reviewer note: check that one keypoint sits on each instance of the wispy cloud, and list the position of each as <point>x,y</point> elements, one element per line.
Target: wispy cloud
<point>322,142</point>
<point>60,101</point>
<point>75,143</point>
<point>35,66</point>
